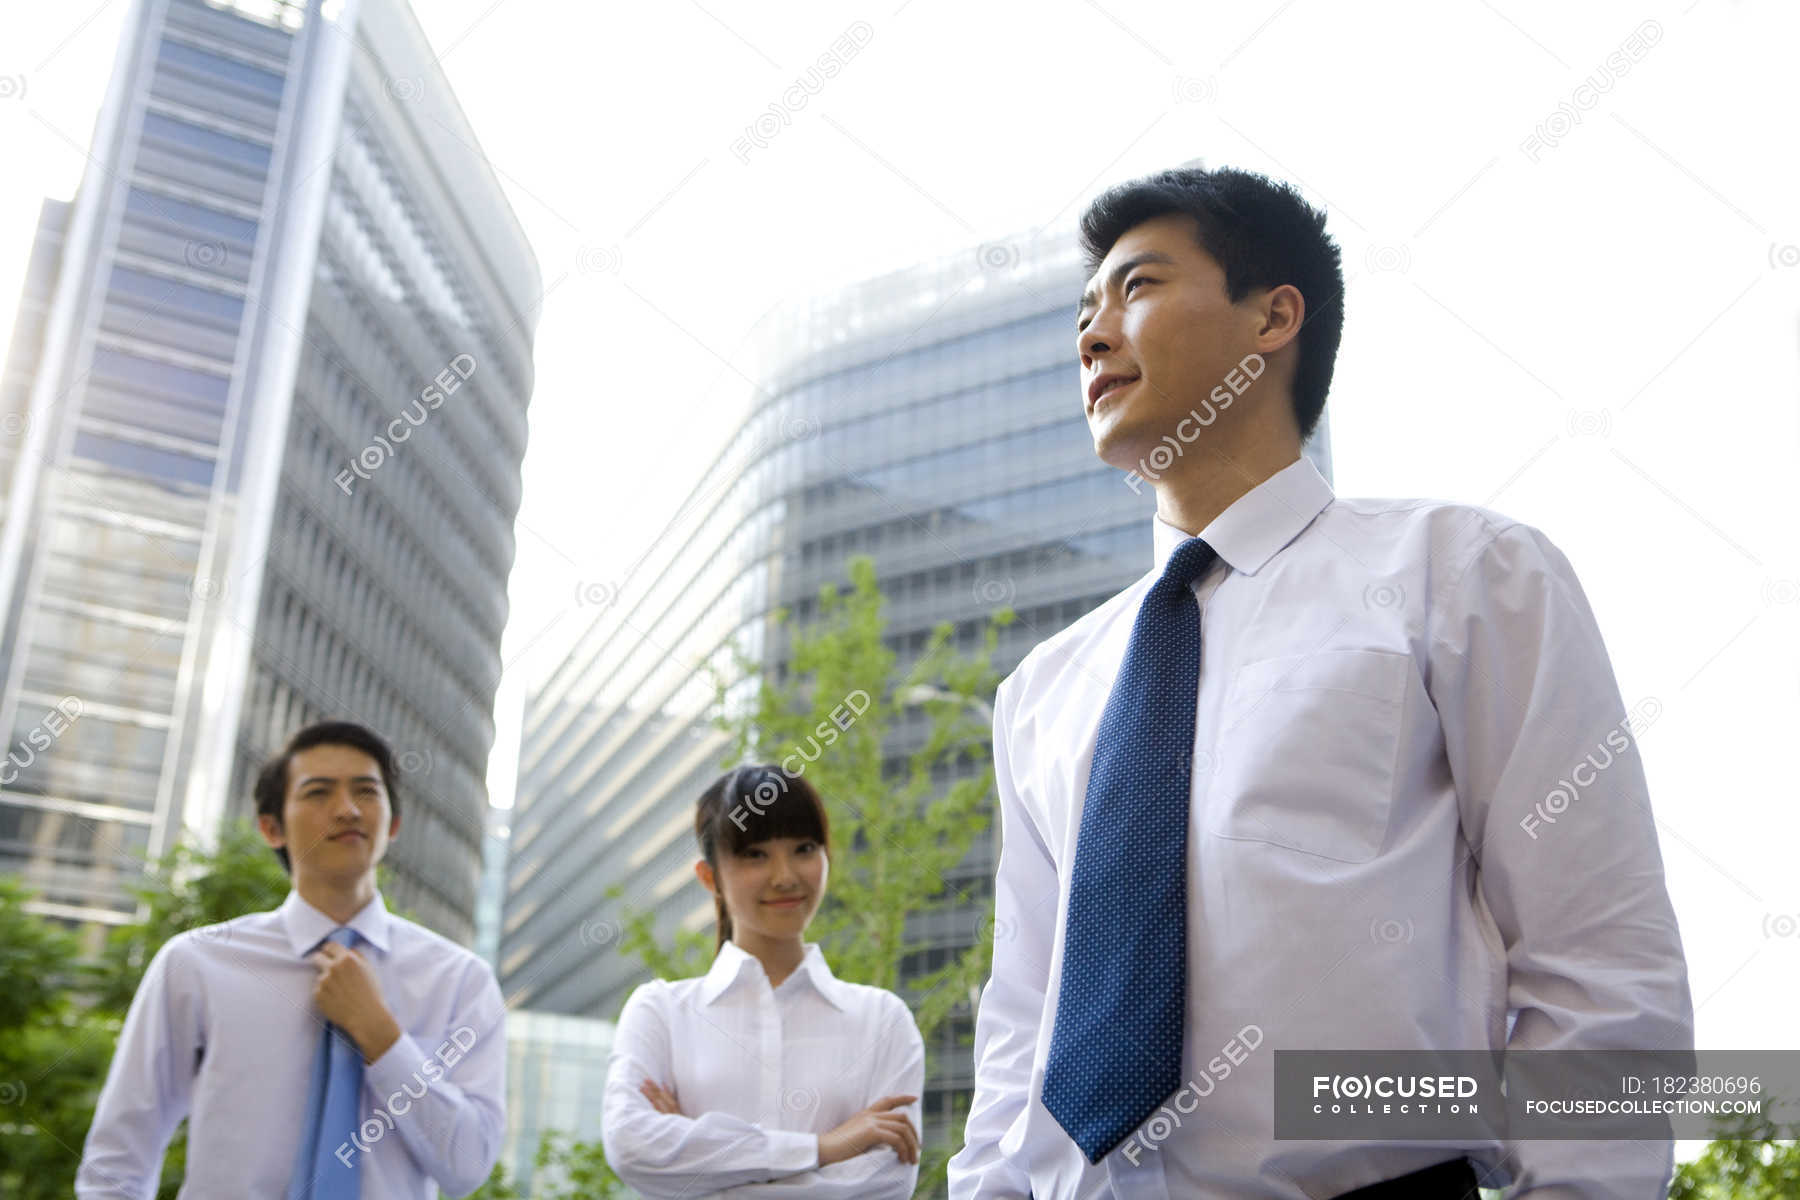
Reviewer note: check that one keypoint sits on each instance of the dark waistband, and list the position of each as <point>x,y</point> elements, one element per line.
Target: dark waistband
<point>1453,1180</point>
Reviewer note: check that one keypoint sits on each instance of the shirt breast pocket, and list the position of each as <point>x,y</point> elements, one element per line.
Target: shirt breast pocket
<point>1306,754</point>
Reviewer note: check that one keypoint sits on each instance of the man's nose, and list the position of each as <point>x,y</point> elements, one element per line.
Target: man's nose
<point>1097,339</point>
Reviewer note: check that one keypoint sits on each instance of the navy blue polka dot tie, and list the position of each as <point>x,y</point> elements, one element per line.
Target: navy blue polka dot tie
<point>1115,1053</point>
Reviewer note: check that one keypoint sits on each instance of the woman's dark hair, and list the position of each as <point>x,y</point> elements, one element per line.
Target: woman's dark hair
<point>751,804</point>
<point>1263,234</point>
<point>272,779</point>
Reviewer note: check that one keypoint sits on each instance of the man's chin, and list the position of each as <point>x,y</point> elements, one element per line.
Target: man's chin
<point>1126,449</point>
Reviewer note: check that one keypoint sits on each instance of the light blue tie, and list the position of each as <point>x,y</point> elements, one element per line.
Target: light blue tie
<point>1115,1051</point>
<point>331,1113</point>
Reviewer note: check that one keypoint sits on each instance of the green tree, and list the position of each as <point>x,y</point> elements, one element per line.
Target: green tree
<point>186,889</point>
<point>564,1168</point>
<point>898,831</point>
<point>52,1054</point>
<point>1752,1159</point>
<point>60,1016</point>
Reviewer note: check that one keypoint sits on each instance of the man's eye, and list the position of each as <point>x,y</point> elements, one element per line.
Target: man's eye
<point>1129,282</point>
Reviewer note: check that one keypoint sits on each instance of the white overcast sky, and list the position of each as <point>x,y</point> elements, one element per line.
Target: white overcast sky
<point>1599,336</point>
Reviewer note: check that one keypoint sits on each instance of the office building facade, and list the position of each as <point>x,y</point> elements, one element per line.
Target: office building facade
<point>930,419</point>
<point>270,449</point>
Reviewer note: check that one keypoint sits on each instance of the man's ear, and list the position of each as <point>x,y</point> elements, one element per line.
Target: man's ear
<point>272,833</point>
<point>393,827</point>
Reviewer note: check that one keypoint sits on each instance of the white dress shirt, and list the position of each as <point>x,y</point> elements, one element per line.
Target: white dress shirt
<point>1390,692</point>
<point>223,1031</point>
<point>759,1073</point>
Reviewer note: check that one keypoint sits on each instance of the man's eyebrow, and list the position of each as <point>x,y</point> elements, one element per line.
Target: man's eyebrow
<point>1089,298</point>
<point>312,779</point>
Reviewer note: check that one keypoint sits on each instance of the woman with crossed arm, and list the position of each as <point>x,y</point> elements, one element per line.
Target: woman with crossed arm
<point>768,1076</point>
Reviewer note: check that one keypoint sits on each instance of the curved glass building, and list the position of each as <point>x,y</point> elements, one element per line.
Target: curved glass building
<point>931,419</point>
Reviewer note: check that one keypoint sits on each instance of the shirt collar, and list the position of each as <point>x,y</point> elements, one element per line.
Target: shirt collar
<point>733,960</point>
<point>306,926</point>
<point>1260,522</point>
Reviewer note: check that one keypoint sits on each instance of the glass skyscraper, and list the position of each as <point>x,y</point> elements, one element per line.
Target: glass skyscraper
<point>265,416</point>
<point>931,419</point>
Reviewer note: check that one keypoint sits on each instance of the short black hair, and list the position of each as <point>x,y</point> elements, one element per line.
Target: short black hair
<point>272,779</point>
<point>750,804</point>
<point>1262,233</point>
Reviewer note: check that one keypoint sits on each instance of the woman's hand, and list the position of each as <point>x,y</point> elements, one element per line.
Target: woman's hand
<point>661,1100</point>
<point>873,1126</point>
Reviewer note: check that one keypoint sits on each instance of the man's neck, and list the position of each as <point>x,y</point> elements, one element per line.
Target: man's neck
<point>1213,483</point>
<point>338,899</point>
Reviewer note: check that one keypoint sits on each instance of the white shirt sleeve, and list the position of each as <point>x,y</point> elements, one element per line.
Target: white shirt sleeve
<point>671,1155</point>
<point>899,1070</point>
<point>1012,1003</point>
<point>453,1129</point>
<point>150,1083</point>
<point>1567,854</point>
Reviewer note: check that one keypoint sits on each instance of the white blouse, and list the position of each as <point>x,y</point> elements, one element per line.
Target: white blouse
<point>759,1074</point>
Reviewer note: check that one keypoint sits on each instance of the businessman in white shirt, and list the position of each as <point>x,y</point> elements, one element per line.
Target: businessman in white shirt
<point>326,1049</point>
<point>1304,785</point>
